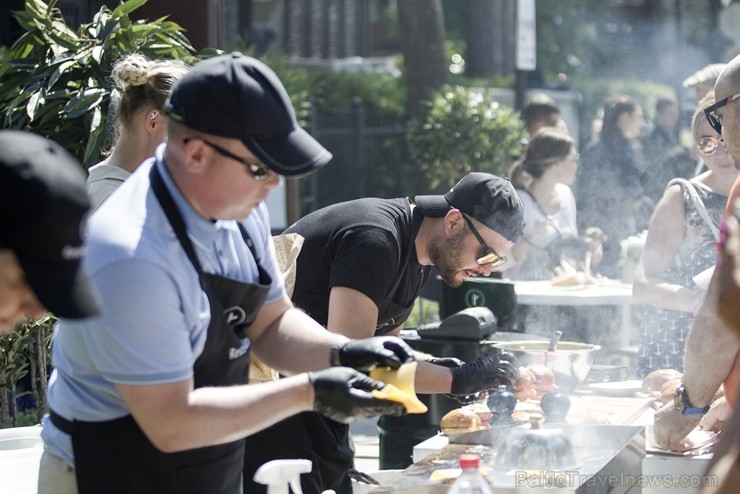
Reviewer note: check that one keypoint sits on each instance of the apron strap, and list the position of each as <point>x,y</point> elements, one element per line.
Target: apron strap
<point>178,225</point>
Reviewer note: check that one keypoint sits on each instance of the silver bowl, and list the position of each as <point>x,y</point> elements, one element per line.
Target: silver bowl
<point>570,362</point>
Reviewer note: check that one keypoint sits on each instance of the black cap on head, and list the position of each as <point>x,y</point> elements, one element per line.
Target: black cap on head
<point>238,97</point>
<point>43,204</point>
<point>489,199</point>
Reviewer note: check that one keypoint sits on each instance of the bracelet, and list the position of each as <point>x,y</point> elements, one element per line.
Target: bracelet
<point>334,360</point>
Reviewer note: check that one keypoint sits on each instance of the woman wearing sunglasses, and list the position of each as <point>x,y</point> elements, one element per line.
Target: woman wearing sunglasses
<point>681,245</point>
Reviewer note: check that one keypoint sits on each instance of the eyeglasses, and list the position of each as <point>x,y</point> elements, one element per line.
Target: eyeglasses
<point>715,120</point>
<point>489,255</point>
<point>708,145</point>
<point>260,172</point>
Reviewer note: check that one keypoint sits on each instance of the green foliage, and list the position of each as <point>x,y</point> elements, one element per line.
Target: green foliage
<point>25,355</point>
<point>424,312</point>
<point>464,130</point>
<point>383,95</point>
<point>53,80</point>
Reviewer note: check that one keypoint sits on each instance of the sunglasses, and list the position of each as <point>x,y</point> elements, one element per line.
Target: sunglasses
<point>489,255</point>
<point>708,145</point>
<point>715,120</point>
<point>260,172</point>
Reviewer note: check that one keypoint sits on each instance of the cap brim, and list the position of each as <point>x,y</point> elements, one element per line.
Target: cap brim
<point>63,287</point>
<point>432,206</point>
<point>294,154</point>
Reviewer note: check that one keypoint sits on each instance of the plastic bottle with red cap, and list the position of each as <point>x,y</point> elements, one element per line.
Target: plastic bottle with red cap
<point>470,480</point>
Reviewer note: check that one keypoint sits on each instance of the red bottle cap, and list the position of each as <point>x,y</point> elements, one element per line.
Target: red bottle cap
<point>469,461</point>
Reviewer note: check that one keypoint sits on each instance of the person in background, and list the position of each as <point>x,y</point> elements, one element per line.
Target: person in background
<point>680,245</point>
<point>359,272</point>
<point>150,396</point>
<point>43,207</point>
<point>542,178</point>
<point>143,86</point>
<point>608,190</point>
<point>541,111</point>
<point>711,352</point>
<point>702,81</point>
<point>658,145</point>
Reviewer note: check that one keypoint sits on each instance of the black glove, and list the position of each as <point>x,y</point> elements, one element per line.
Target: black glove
<point>487,372</point>
<point>343,394</point>
<point>448,362</point>
<point>365,355</point>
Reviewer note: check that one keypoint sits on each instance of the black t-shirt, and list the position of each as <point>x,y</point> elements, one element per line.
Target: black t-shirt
<point>367,245</point>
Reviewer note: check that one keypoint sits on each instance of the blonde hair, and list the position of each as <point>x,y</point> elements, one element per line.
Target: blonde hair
<point>143,83</point>
<point>699,116</point>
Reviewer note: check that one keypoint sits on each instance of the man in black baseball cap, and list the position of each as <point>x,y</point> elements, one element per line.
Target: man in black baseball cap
<point>43,205</point>
<point>239,97</point>
<point>360,269</point>
<point>183,258</point>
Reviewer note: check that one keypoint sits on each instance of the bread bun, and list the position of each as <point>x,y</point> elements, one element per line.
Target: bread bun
<point>525,385</point>
<point>460,420</point>
<point>653,382</point>
<point>482,410</point>
<point>544,379</point>
<point>668,390</point>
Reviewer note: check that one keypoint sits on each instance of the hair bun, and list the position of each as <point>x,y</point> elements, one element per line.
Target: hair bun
<point>131,70</point>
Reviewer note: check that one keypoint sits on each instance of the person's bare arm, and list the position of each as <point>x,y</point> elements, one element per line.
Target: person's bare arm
<point>665,235</point>
<point>355,315</point>
<point>176,417</point>
<point>708,359</point>
<point>290,341</point>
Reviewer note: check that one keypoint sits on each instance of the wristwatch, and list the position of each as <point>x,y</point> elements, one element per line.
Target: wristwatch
<point>683,405</point>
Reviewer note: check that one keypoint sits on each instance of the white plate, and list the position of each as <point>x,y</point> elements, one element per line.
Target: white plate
<point>617,388</point>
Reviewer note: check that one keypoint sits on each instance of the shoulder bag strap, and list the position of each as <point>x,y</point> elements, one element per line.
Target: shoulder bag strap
<point>698,204</point>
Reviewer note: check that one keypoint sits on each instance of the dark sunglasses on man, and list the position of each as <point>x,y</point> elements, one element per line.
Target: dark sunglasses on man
<point>489,255</point>
<point>716,120</point>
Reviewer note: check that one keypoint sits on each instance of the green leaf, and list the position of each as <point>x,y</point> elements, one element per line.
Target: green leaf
<point>33,104</point>
<point>83,102</point>
<point>127,7</point>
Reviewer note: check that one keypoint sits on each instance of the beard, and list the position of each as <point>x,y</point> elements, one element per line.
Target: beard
<point>446,256</point>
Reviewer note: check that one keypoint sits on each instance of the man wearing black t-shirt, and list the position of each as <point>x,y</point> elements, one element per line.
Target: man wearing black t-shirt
<point>361,267</point>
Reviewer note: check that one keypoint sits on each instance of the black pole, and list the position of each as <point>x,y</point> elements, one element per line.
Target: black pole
<point>520,98</point>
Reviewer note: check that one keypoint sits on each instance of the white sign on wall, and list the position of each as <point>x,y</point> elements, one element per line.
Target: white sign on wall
<point>526,35</point>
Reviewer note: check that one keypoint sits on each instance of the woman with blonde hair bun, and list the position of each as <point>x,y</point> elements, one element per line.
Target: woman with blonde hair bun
<point>142,86</point>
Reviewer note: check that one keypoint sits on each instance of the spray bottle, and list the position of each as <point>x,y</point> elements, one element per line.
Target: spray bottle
<point>278,475</point>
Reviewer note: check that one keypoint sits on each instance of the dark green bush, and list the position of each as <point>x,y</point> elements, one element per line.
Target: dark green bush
<point>464,130</point>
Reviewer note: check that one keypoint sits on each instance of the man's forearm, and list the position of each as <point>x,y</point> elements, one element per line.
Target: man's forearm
<point>710,351</point>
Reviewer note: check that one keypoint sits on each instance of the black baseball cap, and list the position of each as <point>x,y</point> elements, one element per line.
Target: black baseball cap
<point>43,206</point>
<point>489,199</point>
<point>238,97</point>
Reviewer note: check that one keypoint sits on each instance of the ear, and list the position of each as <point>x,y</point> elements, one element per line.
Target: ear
<point>152,121</point>
<point>196,156</point>
<point>453,221</point>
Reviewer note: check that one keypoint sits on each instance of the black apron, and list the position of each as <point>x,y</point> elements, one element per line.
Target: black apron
<point>116,457</point>
<point>312,436</point>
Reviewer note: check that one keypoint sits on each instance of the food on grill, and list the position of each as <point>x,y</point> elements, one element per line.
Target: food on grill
<point>653,382</point>
<point>525,385</point>
<point>460,420</point>
<point>399,386</point>
<point>668,390</point>
<point>544,379</point>
<point>534,382</point>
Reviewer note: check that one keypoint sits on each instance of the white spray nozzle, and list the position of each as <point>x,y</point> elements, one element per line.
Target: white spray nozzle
<point>278,475</point>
